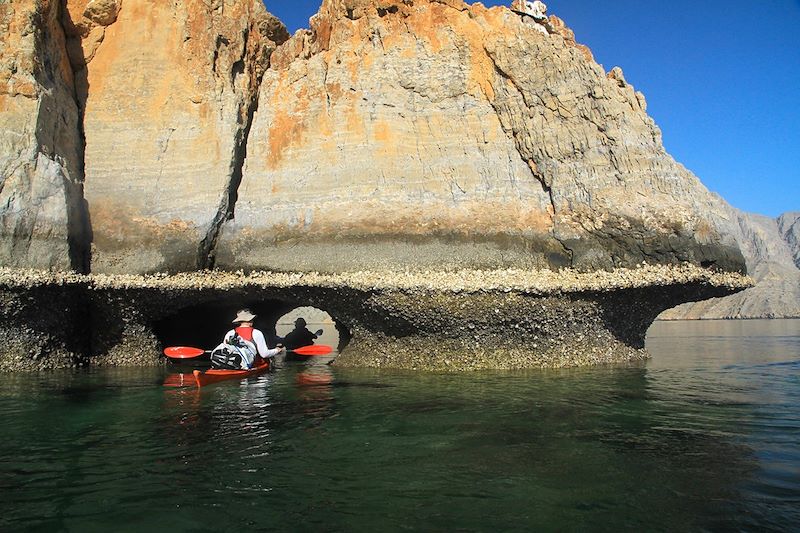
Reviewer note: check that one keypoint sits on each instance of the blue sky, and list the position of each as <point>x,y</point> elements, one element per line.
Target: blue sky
<point>722,81</point>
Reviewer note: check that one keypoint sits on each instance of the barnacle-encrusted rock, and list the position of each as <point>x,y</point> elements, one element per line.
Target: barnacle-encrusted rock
<point>427,320</point>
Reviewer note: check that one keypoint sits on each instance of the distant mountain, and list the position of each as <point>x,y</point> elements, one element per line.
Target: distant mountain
<point>772,250</point>
<point>789,226</point>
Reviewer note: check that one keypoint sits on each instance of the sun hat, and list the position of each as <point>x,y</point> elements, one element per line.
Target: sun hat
<point>244,316</point>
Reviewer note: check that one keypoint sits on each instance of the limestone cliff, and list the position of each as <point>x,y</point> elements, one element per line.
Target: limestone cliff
<point>771,249</point>
<point>168,89</point>
<point>394,140</point>
<point>42,217</point>
<point>440,134</point>
<point>392,134</point>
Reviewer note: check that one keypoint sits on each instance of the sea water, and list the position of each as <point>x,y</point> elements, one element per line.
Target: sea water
<point>704,436</point>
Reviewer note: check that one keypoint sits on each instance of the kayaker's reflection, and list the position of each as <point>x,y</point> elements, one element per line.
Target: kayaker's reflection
<point>315,387</point>
<point>244,347</point>
<point>300,336</point>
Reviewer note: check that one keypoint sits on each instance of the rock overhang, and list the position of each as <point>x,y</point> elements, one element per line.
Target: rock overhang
<point>425,320</point>
<point>531,157</point>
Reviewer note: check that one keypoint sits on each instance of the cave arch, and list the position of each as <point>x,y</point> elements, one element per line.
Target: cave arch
<point>204,324</point>
<point>334,334</point>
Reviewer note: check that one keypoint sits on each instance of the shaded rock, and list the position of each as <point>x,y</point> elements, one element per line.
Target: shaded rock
<point>43,326</point>
<point>771,255</point>
<point>453,321</point>
<point>789,226</point>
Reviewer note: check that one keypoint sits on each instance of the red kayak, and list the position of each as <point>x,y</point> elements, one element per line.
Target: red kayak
<point>179,380</point>
<point>207,377</point>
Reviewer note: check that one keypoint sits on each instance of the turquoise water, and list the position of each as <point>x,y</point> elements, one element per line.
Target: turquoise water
<point>705,436</point>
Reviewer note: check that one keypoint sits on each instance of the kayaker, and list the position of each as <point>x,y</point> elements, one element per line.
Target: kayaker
<point>300,335</point>
<point>244,345</point>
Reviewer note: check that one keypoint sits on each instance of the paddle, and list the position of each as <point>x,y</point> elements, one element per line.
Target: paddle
<point>314,349</point>
<point>187,352</point>
<point>184,352</point>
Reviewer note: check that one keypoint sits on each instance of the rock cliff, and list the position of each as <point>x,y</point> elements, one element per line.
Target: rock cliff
<point>394,138</point>
<point>167,91</point>
<point>42,215</point>
<point>789,227</point>
<point>437,133</point>
<point>771,249</point>
<point>391,135</point>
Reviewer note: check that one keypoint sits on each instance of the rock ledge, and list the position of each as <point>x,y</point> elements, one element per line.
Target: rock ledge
<point>460,320</point>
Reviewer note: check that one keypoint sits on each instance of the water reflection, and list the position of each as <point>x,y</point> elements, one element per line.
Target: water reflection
<point>703,437</point>
<point>315,395</point>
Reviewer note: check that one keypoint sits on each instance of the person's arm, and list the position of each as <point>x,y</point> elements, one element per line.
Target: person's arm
<point>274,351</point>
<point>261,345</point>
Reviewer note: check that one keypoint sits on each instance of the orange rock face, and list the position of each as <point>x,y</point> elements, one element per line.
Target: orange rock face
<point>440,134</point>
<point>391,135</point>
<point>168,89</point>
<point>42,222</point>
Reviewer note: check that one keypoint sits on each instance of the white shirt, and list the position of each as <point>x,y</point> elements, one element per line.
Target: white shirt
<point>260,343</point>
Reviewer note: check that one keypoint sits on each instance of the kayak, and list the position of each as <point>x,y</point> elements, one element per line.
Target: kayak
<point>203,378</point>
<point>179,380</point>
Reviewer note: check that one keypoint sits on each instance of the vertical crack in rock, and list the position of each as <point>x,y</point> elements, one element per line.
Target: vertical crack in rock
<point>265,33</point>
<point>513,135</point>
<point>83,28</point>
<point>78,220</point>
<point>72,166</point>
<point>207,252</point>
<point>206,255</point>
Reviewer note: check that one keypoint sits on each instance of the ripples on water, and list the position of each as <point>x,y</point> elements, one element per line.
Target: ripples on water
<point>704,436</point>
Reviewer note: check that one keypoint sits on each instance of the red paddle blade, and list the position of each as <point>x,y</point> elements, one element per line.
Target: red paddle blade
<point>315,349</point>
<point>183,352</point>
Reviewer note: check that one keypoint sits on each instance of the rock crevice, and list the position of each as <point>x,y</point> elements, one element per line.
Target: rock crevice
<point>42,216</point>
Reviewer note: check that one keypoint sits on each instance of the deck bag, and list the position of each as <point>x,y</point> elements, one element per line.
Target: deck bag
<point>234,354</point>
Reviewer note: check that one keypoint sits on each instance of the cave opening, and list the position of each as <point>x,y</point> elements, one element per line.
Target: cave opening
<point>204,325</point>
